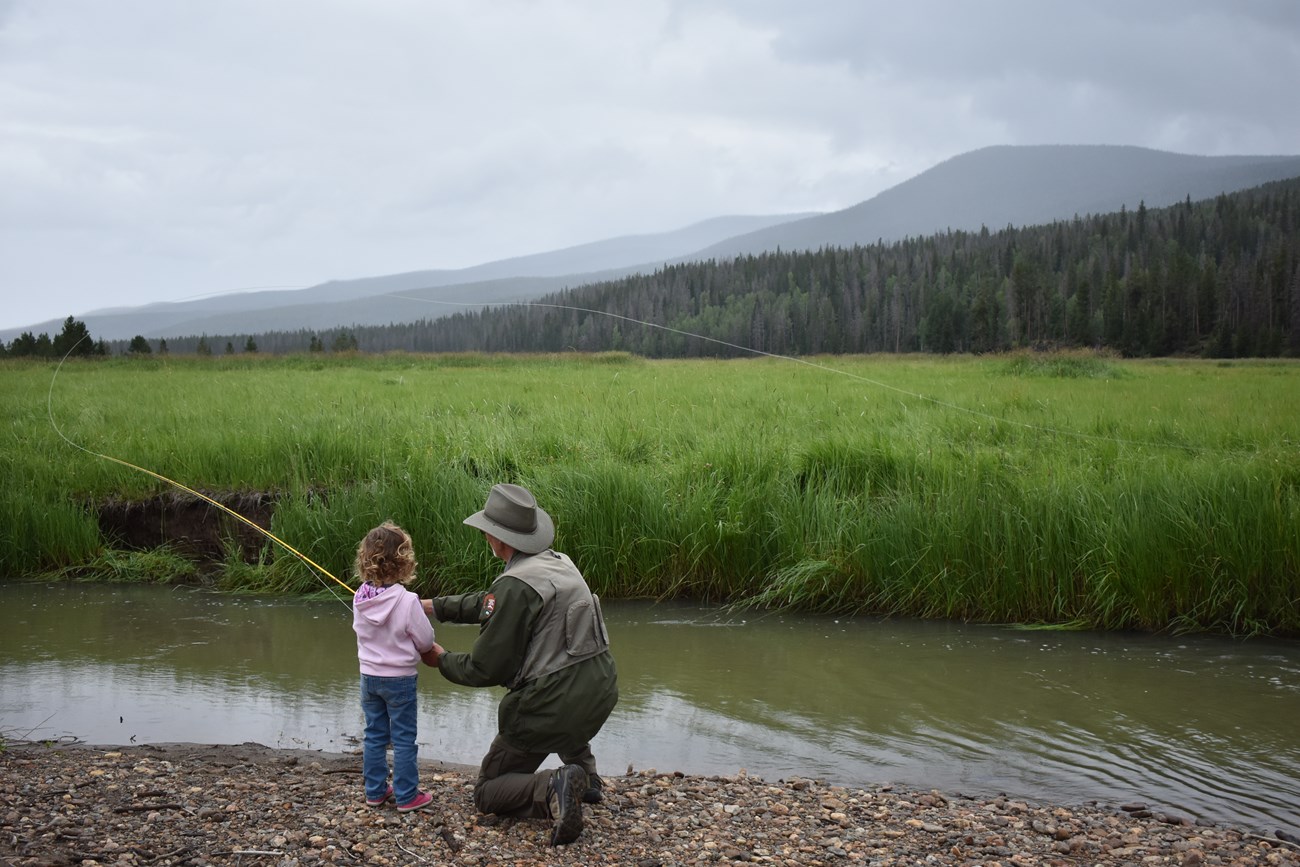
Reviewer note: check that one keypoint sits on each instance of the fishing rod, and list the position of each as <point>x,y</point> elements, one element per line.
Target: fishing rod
<point>315,568</point>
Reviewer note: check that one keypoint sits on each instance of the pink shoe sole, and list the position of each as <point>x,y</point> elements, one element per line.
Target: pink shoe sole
<point>419,802</point>
<point>388,796</point>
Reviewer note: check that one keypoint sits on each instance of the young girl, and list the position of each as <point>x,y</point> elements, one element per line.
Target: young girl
<point>392,633</point>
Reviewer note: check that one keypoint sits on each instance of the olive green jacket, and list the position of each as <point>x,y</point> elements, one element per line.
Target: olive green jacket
<point>556,713</point>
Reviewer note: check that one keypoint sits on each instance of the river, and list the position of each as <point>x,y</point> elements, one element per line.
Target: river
<point>1204,727</point>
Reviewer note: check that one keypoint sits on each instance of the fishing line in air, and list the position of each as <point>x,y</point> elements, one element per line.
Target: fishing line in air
<point>316,569</point>
<point>826,368</point>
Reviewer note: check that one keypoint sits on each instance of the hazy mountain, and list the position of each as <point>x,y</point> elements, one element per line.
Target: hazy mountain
<point>993,187</point>
<point>337,302</point>
<point>393,303</point>
<point>1019,186</point>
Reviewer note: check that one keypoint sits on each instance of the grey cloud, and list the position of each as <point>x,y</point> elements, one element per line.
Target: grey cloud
<point>184,148</point>
<point>1145,65</point>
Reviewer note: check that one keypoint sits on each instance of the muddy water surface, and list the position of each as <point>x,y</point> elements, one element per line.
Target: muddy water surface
<point>1204,727</point>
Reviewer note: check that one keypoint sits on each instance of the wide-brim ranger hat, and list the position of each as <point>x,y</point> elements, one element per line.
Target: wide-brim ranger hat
<point>511,514</point>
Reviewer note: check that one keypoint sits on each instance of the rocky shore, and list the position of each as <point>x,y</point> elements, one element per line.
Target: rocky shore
<point>251,805</point>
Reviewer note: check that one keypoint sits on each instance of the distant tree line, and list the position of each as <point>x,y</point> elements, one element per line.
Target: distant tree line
<point>73,339</point>
<point>1218,278</point>
<point>271,342</point>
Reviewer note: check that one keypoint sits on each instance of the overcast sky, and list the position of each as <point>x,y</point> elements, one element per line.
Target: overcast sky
<point>153,150</point>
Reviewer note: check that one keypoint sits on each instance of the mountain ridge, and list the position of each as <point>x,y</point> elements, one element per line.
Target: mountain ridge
<point>991,187</point>
<point>1093,179</point>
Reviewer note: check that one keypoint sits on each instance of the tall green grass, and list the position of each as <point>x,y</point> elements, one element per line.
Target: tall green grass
<point>1073,490</point>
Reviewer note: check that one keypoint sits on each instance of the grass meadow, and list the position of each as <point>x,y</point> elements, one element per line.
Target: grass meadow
<point>1071,491</point>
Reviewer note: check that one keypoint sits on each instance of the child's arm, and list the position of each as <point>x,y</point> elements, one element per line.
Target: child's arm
<point>419,629</point>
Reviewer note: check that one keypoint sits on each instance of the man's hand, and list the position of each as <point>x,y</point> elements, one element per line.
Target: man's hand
<point>433,656</point>
<point>427,605</point>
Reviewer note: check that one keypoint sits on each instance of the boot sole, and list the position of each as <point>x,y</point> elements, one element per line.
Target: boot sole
<point>569,788</point>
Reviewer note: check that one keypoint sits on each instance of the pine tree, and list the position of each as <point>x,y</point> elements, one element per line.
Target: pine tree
<point>23,346</point>
<point>74,339</point>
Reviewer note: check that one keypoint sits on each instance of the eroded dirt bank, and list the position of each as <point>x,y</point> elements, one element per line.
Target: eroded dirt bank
<point>188,525</point>
<point>248,804</point>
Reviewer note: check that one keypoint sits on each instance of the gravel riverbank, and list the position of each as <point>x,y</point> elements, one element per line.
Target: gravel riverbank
<point>252,805</point>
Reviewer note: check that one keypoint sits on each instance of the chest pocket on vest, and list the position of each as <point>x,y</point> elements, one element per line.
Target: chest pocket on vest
<point>584,629</point>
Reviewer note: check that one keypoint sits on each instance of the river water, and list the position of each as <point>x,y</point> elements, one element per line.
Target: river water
<point>1204,727</point>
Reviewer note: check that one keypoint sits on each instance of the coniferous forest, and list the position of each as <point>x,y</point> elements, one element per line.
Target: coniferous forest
<point>1216,278</point>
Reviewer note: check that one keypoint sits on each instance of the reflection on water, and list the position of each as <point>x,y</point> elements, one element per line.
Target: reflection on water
<point>1205,727</point>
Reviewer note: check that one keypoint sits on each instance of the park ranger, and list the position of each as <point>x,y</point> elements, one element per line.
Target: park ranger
<point>542,635</point>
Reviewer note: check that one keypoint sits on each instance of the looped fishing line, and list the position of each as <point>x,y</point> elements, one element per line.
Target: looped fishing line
<point>316,569</point>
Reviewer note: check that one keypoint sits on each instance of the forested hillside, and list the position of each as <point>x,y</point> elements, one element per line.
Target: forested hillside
<point>1218,278</point>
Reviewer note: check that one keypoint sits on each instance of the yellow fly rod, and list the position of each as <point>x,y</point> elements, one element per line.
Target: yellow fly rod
<point>319,569</point>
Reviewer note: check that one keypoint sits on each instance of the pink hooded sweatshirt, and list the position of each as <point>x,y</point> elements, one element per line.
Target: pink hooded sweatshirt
<point>392,630</point>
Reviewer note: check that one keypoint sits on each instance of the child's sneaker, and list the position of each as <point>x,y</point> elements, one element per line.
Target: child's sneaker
<point>419,802</point>
<point>380,801</point>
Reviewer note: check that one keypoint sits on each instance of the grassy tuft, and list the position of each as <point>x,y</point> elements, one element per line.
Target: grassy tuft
<point>157,566</point>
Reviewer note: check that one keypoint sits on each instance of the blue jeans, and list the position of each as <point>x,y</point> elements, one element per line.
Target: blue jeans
<point>390,708</point>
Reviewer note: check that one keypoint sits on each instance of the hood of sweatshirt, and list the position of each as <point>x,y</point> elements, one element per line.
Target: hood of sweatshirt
<point>377,609</point>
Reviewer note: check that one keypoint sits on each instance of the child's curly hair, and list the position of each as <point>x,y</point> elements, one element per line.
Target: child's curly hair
<point>386,556</point>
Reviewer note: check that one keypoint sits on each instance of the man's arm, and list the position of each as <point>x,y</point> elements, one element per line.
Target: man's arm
<point>507,614</point>
<point>463,608</point>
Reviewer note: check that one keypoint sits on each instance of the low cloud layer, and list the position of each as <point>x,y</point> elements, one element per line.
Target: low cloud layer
<point>159,151</point>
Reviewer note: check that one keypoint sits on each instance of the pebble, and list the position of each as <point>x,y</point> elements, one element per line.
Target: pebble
<point>207,805</point>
